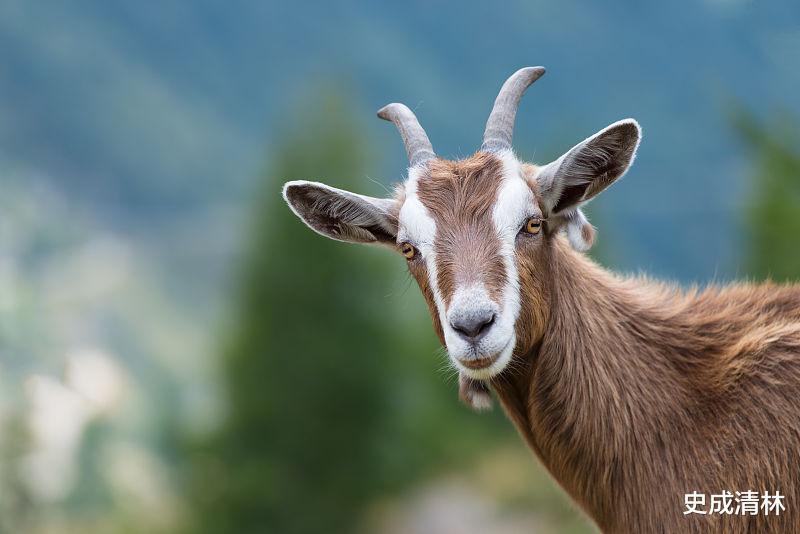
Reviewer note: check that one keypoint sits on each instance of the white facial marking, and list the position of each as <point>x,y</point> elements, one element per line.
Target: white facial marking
<point>418,227</point>
<point>416,224</point>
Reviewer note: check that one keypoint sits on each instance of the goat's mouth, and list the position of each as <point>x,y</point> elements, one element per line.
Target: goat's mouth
<point>478,363</point>
<point>483,367</point>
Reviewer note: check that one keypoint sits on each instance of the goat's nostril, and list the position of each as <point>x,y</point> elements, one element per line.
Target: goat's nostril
<point>487,325</point>
<point>473,327</point>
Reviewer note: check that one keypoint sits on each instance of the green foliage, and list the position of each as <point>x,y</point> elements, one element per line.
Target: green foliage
<point>774,208</point>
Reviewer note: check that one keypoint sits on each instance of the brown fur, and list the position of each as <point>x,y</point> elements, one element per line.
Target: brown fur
<point>632,393</point>
<point>636,393</point>
<point>460,196</point>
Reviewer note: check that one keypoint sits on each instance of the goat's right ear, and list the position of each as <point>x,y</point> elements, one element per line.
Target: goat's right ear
<point>342,215</point>
<point>589,167</point>
<point>582,173</point>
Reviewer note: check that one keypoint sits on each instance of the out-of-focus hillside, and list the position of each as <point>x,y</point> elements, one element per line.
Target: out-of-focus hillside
<point>149,112</point>
<point>100,368</point>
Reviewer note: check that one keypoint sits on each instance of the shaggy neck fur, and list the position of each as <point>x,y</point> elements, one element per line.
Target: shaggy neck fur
<point>638,393</point>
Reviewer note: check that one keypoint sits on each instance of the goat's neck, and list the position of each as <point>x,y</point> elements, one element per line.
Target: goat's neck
<point>593,382</point>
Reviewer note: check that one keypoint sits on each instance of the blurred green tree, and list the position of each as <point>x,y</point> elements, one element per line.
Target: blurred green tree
<point>305,367</point>
<point>774,206</point>
<point>333,399</point>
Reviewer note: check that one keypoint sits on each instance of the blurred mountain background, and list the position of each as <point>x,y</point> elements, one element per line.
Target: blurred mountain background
<point>178,353</point>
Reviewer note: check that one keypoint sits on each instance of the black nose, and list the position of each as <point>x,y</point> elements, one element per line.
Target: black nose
<point>473,326</point>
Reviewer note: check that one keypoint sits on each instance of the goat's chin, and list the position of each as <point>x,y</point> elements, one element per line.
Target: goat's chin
<point>499,361</point>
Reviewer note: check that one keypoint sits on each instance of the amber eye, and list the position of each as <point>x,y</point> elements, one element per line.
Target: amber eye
<point>533,225</point>
<point>408,250</point>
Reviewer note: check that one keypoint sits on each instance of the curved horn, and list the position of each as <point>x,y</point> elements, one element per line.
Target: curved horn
<point>500,126</point>
<point>415,139</point>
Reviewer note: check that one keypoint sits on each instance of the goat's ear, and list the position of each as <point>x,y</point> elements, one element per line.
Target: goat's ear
<point>589,167</point>
<point>582,173</point>
<point>342,215</point>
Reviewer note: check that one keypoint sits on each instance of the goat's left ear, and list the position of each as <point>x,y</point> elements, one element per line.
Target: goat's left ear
<point>583,172</point>
<point>342,215</point>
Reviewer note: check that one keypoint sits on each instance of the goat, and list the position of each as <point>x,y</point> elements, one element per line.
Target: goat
<point>632,393</point>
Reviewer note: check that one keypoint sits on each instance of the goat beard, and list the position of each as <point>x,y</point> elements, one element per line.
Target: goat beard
<point>474,393</point>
